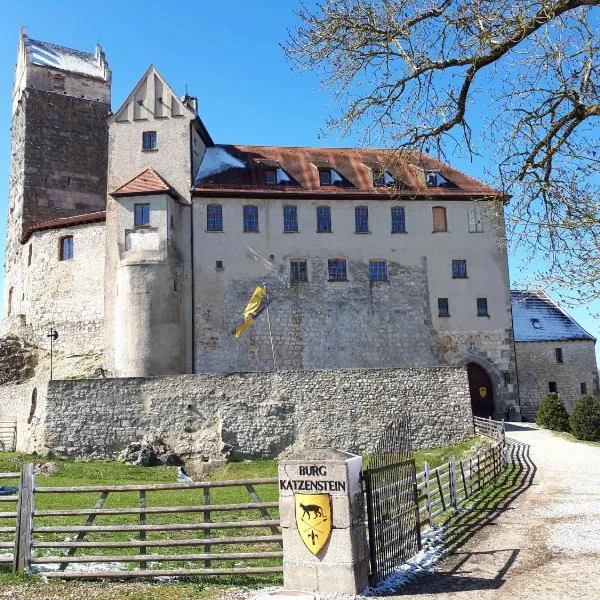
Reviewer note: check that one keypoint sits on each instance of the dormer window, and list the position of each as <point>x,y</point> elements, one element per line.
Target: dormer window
<point>273,173</point>
<point>329,176</point>
<point>535,323</point>
<point>325,176</point>
<point>436,179</point>
<point>271,176</point>
<point>382,178</point>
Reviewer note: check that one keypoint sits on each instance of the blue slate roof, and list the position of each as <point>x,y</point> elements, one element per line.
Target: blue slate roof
<point>537,318</point>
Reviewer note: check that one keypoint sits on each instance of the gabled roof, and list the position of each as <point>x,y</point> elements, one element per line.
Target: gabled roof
<point>94,217</point>
<point>46,54</point>
<point>537,318</point>
<point>153,86</point>
<point>146,183</point>
<point>235,169</point>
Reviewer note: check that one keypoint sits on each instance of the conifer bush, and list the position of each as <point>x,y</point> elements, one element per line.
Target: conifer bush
<point>552,414</point>
<point>585,418</point>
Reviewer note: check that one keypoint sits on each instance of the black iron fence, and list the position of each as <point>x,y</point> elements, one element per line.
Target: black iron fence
<point>391,495</point>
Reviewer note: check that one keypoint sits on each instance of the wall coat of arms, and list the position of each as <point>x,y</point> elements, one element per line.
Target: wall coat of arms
<point>314,519</point>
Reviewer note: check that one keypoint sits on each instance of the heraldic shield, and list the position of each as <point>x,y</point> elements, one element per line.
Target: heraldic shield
<point>483,392</point>
<point>314,520</point>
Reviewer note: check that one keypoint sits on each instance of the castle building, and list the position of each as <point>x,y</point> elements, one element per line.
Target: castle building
<point>139,239</point>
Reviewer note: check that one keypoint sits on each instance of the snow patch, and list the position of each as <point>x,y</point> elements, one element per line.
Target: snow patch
<point>216,160</point>
<point>89,566</point>
<point>66,59</point>
<point>282,176</point>
<point>423,562</point>
<point>336,177</point>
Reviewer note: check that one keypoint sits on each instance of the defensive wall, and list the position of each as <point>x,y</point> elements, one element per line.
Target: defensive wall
<point>252,415</point>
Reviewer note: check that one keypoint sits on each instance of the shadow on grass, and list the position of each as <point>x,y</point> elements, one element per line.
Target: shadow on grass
<point>485,508</point>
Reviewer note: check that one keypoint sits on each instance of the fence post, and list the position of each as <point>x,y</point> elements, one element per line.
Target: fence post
<point>452,478</point>
<point>24,526</point>
<point>427,498</point>
<point>143,565</point>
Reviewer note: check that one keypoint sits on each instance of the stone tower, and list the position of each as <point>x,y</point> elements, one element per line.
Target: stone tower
<point>61,101</point>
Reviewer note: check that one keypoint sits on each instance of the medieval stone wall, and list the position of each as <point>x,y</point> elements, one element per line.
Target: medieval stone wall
<point>64,294</point>
<point>253,414</point>
<point>66,156</point>
<point>538,367</point>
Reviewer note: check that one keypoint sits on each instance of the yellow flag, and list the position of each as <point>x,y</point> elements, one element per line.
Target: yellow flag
<point>241,328</point>
<point>255,301</point>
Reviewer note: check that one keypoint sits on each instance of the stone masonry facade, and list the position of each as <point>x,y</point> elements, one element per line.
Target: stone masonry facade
<point>322,325</point>
<point>253,415</point>
<point>63,294</point>
<point>538,367</point>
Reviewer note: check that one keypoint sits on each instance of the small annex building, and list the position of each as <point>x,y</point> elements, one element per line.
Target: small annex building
<point>554,353</point>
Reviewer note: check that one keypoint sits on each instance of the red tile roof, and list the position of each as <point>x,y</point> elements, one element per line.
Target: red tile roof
<point>94,217</point>
<point>353,164</point>
<point>145,183</point>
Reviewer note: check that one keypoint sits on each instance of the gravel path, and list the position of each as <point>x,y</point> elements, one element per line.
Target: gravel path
<point>544,544</point>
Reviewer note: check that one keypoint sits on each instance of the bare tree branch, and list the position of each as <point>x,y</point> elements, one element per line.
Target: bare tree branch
<point>419,73</point>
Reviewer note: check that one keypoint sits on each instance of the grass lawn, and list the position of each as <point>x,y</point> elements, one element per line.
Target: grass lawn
<point>438,456</point>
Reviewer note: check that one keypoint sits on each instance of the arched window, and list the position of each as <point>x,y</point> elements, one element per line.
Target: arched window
<point>439,219</point>
<point>10,300</point>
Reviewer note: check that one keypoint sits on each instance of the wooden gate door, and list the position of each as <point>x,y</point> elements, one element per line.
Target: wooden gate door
<point>482,391</point>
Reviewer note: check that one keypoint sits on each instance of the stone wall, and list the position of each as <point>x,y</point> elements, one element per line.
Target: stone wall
<point>253,414</point>
<point>537,367</point>
<point>64,294</point>
<point>320,324</point>
<point>66,154</point>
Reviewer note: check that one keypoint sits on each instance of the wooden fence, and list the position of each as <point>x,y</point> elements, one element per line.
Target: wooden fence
<point>446,486</point>
<point>133,528</point>
<point>141,529</point>
<point>8,436</point>
<point>8,516</point>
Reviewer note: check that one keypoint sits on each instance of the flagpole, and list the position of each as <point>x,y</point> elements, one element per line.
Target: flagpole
<point>270,331</point>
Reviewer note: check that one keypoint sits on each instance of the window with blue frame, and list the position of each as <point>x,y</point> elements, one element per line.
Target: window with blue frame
<point>337,269</point>
<point>398,219</point>
<point>298,270</point>
<point>459,269</point>
<point>443,307</point>
<point>323,219</point>
<point>290,219</point>
<point>141,215</point>
<point>66,247</point>
<point>377,270</point>
<point>214,217</point>
<point>149,140</point>
<point>361,219</point>
<point>482,307</point>
<point>250,217</point>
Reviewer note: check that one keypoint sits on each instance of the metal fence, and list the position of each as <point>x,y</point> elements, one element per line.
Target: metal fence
<point>401,503</point>
<point>392,504</point>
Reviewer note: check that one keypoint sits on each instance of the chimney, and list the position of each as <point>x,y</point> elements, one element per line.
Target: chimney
<point>191,102</point>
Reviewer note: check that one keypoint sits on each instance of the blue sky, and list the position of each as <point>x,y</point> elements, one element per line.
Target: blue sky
<point>226,53</point>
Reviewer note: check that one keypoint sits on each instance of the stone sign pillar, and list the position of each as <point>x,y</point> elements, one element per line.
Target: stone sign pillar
<point>322,521</point>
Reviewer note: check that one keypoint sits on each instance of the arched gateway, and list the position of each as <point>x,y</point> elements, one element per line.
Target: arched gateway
<point>482,391</point>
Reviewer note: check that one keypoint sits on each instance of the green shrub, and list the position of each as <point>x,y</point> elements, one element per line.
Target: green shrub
<point>585,418</point>
<point>552,414</point>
